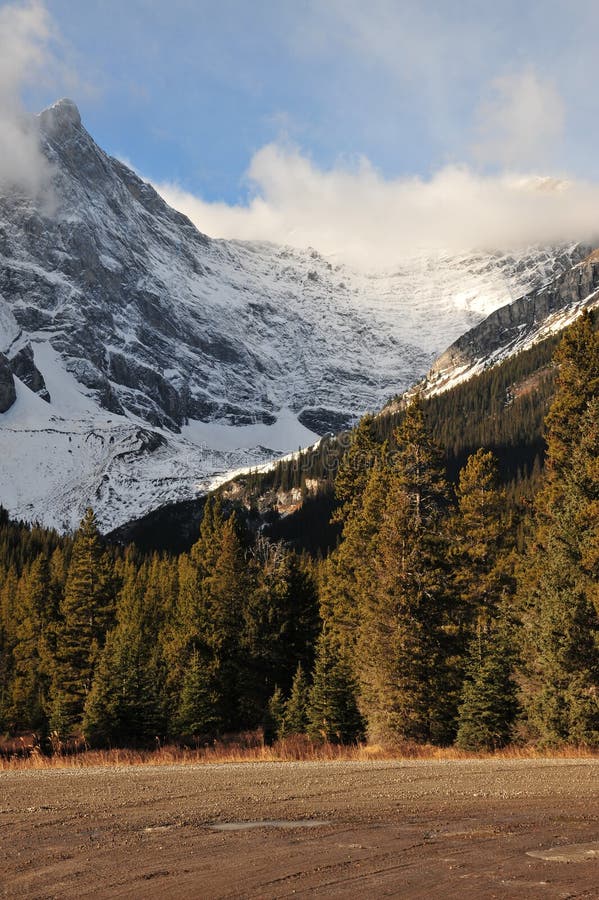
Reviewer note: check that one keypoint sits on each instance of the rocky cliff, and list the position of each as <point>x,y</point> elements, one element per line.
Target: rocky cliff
<point>517,325</point>
<point>141,360</point>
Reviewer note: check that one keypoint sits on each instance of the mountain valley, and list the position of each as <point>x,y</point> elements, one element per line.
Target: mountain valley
<point>141,362</point>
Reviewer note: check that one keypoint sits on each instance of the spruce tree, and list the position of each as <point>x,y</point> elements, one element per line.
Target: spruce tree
<point>8,639</point>
<point>355,466</point>
<point>478,530</point>
<point>402,650</point>
<point>123,707</point>
<point>333,713</point>
<point>204,552</point>
<point>346,576</point>
<point>280,625</point>
<point>214,583</point>
<point>558,584</point>
<point>183,632</point>
<point>577,359</point>
<point>489,701</point>
<point>225,592</point>
<point>197,714</point>
<point>30,653</point>
<point>482,561</point>
<point>273,718</point>
<point>295,717</point>
<point>86,612</point>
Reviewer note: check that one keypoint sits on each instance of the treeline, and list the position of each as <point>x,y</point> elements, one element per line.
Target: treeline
<point>451,633</point>
<point>441,616</point>
<point>502,408</point>
<point>124,649</point>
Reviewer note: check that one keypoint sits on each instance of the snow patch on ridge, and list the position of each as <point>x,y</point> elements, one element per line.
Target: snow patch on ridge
<point>172,359</point>
<point>75,454</point>
<point>286,432</point>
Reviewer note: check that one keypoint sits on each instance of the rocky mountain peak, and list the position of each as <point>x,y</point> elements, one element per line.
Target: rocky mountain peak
<point>62,114</point>
<point>120,315</point>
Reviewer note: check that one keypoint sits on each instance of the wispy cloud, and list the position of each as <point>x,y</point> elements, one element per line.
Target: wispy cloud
<point>520,122</point>
<point>476,103</point>
<point>497,108</point>
<point>25,36</point>
<point>356,214</point>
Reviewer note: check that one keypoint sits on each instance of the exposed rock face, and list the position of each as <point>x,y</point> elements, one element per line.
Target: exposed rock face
<point>167,359</point>
<point>23,366</point>
<point>8,393</point>
<point>161,322</point>
<point>518,325</point>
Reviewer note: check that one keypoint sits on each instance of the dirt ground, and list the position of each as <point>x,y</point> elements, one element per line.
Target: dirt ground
<point>412,829</point>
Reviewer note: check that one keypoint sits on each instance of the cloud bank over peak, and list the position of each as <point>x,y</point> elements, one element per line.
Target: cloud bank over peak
<point>353,213</point>
<point>464,129</point>
<point>25,36</point>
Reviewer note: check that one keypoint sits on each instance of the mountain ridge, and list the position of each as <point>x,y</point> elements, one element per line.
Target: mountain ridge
<point>516,326</point>
<point>142,360</point>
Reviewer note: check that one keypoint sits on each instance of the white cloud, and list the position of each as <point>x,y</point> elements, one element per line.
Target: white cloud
<point>521,121</point>
<point>25,35</point>
<point>366,220</point>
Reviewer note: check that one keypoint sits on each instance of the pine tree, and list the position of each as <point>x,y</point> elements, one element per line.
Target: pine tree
<point>295,717</point>
<point>558,585</point>
<point>333,713</point>
<point>86,612</point>
<point>401,652</point>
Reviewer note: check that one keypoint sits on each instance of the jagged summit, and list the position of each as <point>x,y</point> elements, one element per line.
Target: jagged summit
<point>62,114</point>
<point>151,358</point>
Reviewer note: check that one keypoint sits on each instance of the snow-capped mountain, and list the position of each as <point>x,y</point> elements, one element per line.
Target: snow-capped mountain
<point>517,326</point>
<point>140,359</point>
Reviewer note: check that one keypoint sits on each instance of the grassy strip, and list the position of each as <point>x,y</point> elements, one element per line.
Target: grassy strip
<point>293,749</point>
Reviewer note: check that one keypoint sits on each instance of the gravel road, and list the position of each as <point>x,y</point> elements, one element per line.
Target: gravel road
<point>413,829</point>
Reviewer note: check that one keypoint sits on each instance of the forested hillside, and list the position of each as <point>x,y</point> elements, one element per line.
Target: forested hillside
<point>447,612</point>
<point>501,409</point>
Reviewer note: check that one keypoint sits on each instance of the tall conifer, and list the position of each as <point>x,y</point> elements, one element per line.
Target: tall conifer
<point>559,583</point>
<point>333,713</point>
<point>86,612</point>
<point>402,651</point>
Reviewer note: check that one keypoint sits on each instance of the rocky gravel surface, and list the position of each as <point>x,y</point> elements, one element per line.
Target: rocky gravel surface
<point>423,829</point>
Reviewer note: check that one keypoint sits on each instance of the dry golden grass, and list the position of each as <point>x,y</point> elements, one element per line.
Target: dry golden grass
<point>251,750</point>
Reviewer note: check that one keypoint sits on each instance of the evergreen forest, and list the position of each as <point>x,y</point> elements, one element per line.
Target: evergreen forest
<point>455,600</point>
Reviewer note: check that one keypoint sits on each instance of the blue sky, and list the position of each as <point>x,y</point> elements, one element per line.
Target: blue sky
<point>195,94</point>
<point>189,91</point>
